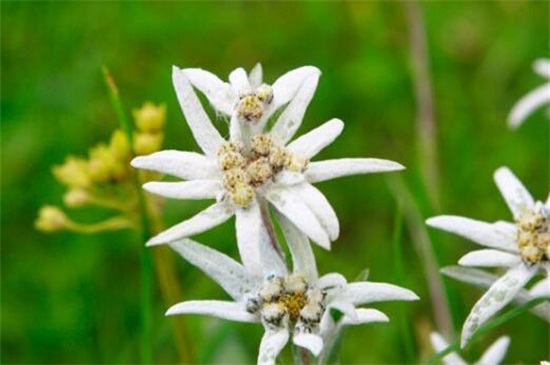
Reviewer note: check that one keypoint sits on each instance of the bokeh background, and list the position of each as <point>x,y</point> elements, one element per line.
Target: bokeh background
<point>69,298</point>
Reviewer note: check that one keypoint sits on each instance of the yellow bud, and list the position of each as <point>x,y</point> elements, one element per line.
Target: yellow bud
<point>146,143</point>
<point>76,198</point>
<point>119,145</point>
<point>150,118</point>
<point>51,219</point>
<point>73,173</point>
<point>101,163</point>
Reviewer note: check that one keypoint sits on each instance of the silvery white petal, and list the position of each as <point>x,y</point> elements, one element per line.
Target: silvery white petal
<point>196,189</point>
<point>225,271</point>
<point>216,308</point>
<point>272,344</point>
<point>303,260</point>
<point>287,178</point>
<point>502,292</point>
<point>257,253</point>
<point>439,344</point>
<point>211,217</point>
<point>235,132</point>
<point>528,104</point>
<point>490,235</point>
<point>496,353</point>
<point>345,308</point>
<point>331,280</point>
<point>207,137</point>
<point>185,165</point>
<point>365,316</point>
<point>310,341</point>
<point>311,143</point>
<point>489,258</point>
<point>319,206</point>
<point>255,77</point>
<point>220,94</point>
<point>368,292</point>
<point>516,195</point>
<point>291,118</point>
<point>300,215</point>
<point>332,169</point>
<point>286,86</point>
<point>470,275</point>
<point>541,289</point>
<point>542,67</point>
<point>239,81</point>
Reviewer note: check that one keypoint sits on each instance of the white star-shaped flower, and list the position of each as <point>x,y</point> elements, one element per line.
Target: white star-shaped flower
<point>533,100</point>
<point>297,303</point>
<point>522,247</point>
<point>492,356</point>
<point>249,173</point>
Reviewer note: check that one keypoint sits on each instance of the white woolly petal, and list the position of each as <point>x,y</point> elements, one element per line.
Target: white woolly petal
<point>219,94</point>
<point>311,143</point>
<point>239,81</point>
<point>331,280</point>
<point>216,308</point>
<point>257,253</point>
<point>291,118</point>
<point>319,206</point>
<point>528,104</point>
<point>368,292</point>
<point>207,137</point>
<point>286,86</point>
<point>211,217</point>
<point>542,67</point>
<point>541,289</point>
<point>439,344</point>
<point>489,258</point>
<point>185,165</point>
<point>272,344</point>
<point>196,189</point>
<point>303,260</point>
<point>255,77</point>
<point>499,294</point>
<point>496,353</point>
<point>365,316</point>
<point>332,169</point>
<point>496,235</point>
<point>287,178</point>
<point>299,214</point>
<point>309,341</point>
<point>235,132</point>
<point>344,307</point>
<point>225,271</point>
<point>517,197</point>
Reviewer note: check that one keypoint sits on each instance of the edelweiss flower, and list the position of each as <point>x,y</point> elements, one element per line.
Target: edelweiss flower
<point>493,355</point>
<point>248,172</point>
<point>297,302</point>
<point>523,248</point>
<point>535,99</point>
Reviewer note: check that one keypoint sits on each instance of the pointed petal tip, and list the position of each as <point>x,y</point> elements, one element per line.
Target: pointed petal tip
<point>153,242</point>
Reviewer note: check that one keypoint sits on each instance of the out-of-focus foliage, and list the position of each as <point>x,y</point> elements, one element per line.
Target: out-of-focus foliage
<point>74,298</point>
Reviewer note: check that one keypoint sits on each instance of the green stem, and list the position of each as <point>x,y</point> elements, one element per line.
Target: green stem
<point>514,312</point>
<point>111,224</point>
<point>406,336</point>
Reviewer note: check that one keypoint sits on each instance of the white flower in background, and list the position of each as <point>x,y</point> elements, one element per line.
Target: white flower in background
<point>533,100</point>
<point>245,175</point>
<point>492,356</point>
<point>522,247</point>
<point>296,303</point>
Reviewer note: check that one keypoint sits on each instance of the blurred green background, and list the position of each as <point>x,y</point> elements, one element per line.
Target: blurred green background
<point>69,298</point>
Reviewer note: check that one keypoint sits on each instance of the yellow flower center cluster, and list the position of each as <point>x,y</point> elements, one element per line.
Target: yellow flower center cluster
<point>251,107</point>
<point>290,297</point>
<point>533,237</point>
<point>244,172</point>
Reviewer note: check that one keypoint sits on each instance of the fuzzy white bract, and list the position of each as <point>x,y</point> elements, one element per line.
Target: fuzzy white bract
<point>522,247</point>
<point>254,169</point>
<point>492,356</point>
<point>533,100</point>
<point>295,303</point>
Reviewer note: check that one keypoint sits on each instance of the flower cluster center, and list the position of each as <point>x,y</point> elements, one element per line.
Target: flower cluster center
<point>251,107</point>
<point>533,237</point>
<point>289,298</point>
<point>244,171</point>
